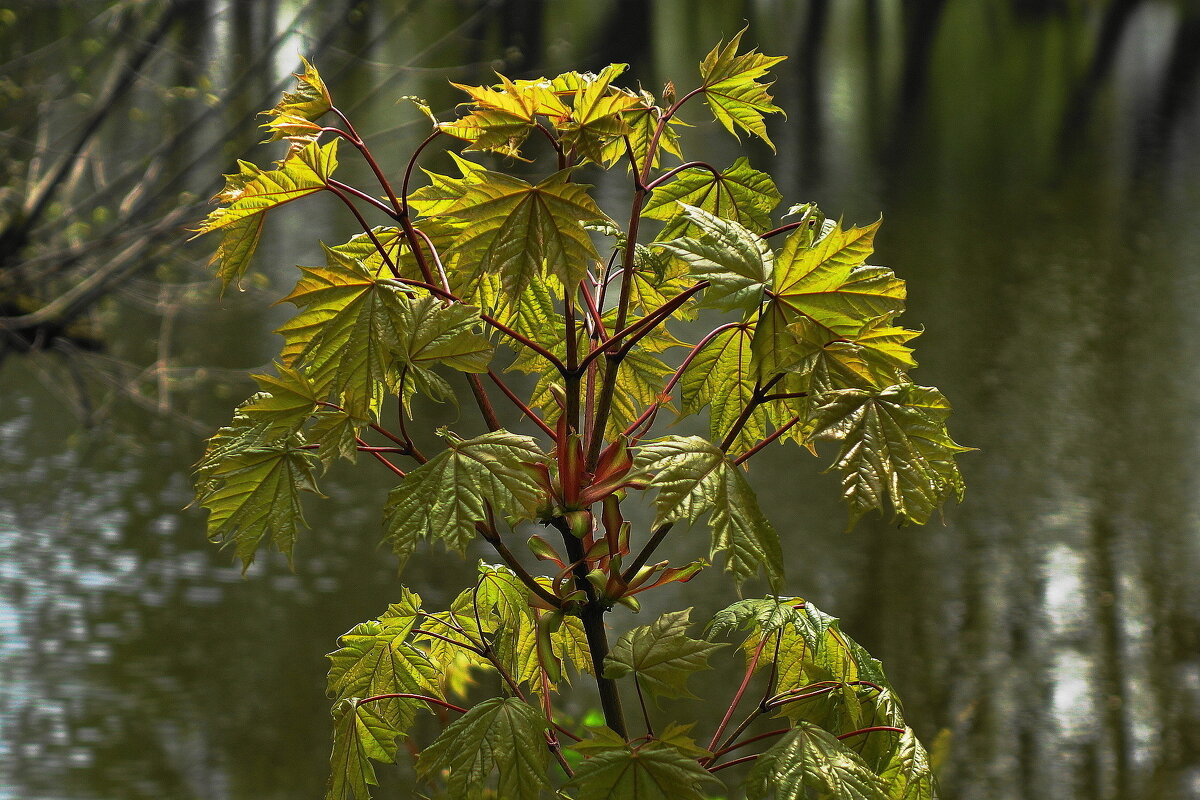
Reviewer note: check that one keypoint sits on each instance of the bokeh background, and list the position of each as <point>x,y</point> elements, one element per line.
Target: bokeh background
<point>1036,165</point>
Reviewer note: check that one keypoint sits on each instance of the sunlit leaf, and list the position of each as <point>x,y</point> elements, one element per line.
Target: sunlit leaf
<point>651,772</point>
<point>310,99</point>
<point>736,261</point>
<point>253,191</point>
<point>253,491</point>
<point>444,498</point>
<point>693,477</point>
<point>741,194</point>
<point>523,231</point>
<point>808,763</point>
<point>829,283</point>
<point>908,775</point>
<point>723,378</point>
<point>500,734</point>
<point>661,655</point>
<point>894,449</point>
<point>733,91</point>
<point>359,735</point>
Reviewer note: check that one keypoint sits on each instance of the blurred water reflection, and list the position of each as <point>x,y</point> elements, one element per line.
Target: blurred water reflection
<point>1036,169</point>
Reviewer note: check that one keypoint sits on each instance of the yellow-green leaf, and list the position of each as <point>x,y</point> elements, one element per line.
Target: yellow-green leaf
<point>731,86</point>
<point>894,449</point>
<point>524,231</point>
<point>694,477</point>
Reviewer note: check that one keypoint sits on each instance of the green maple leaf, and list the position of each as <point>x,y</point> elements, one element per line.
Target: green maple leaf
<point>309,100</point>
<point>655,771</point>
<point>501,734</point>
<point>907,774</point>
<point>283,404</point>
<point>735,260</point>
<point>731,87</point>
<point>253,191</point>
<point>597,114</point>
<point>694,477</point>
<point>661,655</point>
<point>808,763</point>
<point>294,115</point>
<point>723,378</point>
<point>375,658</point>
<point>430,332</point>
<point>830,284</point>
<point>523,231</point>
<point>252,490</point>
<point>642,121</point>
<point>444,498</point>
<point>740,193</point>
<point>360,734</point>
<point>894,448</point>
<point>874,358</point>
<point>345,336</point>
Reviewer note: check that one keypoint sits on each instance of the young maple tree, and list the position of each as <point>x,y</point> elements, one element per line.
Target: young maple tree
<point>471,263</point>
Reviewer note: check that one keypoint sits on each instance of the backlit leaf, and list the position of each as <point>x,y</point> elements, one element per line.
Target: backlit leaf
<point>345,336</point>
<point>308,101</point>
<point>661,655</point>
<point>253,191</point>
<point>693,477</point>
<point>735,260</point>
<point>741,194</point>
<point>444,498</point>
<point>732,89</point>
<point>652,772</point>
<point>523,231</point>
<point>808,763</point>
<point>359,735</point>
<point>253,491</point>
<point>894,448</point>
<point>500,734</point>
<point>829,283</point>
<point>908,775</point>
<point>722,377</point>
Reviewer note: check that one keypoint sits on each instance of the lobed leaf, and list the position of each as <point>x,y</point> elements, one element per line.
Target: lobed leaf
<point>524,231</point>
<point>252,490</point>
<point>655,771</point>
<point>735,260</point>
<point>360,734</point>
<point>694,477</point>
<point>740,193</point>
<point>808,763</point>
<point>894,448</point>
<point>732,89</point>
<point>444,498</point>
<point>660,655</point>
<point>253,191</point>
<point>501,734</point>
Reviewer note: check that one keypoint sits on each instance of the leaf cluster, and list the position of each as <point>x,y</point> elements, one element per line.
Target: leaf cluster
<point>482,273</point>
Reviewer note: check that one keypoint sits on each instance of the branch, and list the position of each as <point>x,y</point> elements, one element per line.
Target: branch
<point>495,323</point>
<point>872,729</point>
<point>492,537</point>
<point>654,184</point>
<point>381,458</point>
<point>406,696</point>
<point>358,142</point>
<point>526,410</point>
<point>638,329</point>
<point>737,697</point>
<point>777,433</point>
<point>756,399</point>
<point>733,763</point>
<point>366,228</point>
<point>648,549</point>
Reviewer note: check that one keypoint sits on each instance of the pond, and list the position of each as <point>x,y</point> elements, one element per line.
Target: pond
<point>1036,170</point>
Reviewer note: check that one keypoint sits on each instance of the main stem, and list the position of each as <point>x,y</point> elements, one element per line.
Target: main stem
<point>592,617</point>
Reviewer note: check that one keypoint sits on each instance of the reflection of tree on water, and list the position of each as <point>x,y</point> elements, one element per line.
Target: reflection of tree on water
<point>1030,160</point>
